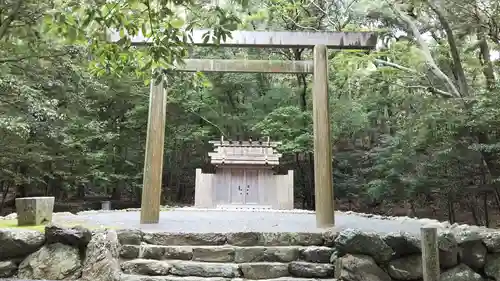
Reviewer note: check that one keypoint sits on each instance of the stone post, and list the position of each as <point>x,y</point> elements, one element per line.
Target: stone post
<point>430,254</point>
<point>34,210</point>
<point>106,205</point>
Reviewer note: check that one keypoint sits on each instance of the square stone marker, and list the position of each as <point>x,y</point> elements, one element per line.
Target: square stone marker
<point>34,210</point>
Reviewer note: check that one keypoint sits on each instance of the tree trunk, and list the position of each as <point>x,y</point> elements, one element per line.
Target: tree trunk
<point>5,191</point>
<point>486,212</point>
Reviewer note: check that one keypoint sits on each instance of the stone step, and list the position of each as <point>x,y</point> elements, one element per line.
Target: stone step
<point>227,253</point>
<point>131,277</point>
<point>255,270</point>
<point>135,237</point>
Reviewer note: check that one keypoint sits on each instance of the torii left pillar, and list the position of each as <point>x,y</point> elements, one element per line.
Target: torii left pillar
<point>153,162</point>
<point>323,180</point>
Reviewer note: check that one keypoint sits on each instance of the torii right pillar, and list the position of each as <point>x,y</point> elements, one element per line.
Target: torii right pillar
<point>323,179</point>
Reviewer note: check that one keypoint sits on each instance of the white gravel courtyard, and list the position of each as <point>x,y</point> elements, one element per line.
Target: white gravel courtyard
<point>190,219</point>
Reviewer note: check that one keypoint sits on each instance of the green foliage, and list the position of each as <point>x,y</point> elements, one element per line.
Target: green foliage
<point>289,124</point>
<point>73,107</point>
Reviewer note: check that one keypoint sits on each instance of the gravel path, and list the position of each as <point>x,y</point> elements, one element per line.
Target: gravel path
<point>195,220</point>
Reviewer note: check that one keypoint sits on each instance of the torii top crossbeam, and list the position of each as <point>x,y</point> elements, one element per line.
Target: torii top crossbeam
<point>276,39</point>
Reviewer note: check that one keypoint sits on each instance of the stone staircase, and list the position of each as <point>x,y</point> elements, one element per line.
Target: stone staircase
<point>216,256</point>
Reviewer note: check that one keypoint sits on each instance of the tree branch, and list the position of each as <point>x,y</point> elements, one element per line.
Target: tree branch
<point>209,122</point>
<point>328,18</point>
<point>431,89</point>
<point>4,27</point>
<point>397,66</point>
<point>455,55</point>
<point>297,24</point>
<point>427,53</point>
<point>18,59</point>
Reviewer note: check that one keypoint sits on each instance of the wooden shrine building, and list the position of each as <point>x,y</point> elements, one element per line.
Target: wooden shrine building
<point>244,177</point>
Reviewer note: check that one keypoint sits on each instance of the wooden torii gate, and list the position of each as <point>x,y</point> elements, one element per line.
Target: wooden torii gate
<point>319,41</point>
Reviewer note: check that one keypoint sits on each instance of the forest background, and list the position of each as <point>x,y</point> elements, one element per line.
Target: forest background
<point>415,124</point>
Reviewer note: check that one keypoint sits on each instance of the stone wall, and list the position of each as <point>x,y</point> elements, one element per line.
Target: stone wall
<point>58,254</point>
<point>76,253</point>
<point>464,256</point>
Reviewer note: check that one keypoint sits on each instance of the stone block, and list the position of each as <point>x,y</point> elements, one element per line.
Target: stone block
<point>266,254</point>
<point>460,273</point>
<point>492,267</point>
<point>311,270</point>
<point>243,238</point>
<point>492,242</point>
<point>75,236</point>
<point>406,268</point>
<point>185,239</point>
<point>205,269</point>
<point>106,205</point>
<point>264,270</point>
<point>371,244</point>
<point>359,267</point>
<point>317,254</point>
<point>402,243</point>
<point>52,262</point>
<point>290,238</point>
<point>34,210</point>
<point>129,236</point>
<point>7,269</point>
<point>129,251</point>
<point>101,261</point>
<point>155,252</point>
<point>213,254</point>
<point>473,254</point>
<point>173,252</point>
<point>146,267</point>
<point>18,243</point>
